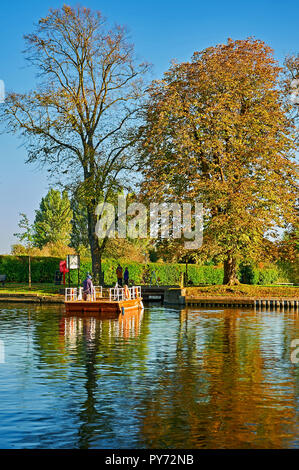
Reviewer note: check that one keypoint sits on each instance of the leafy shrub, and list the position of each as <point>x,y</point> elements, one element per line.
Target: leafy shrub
<point>249,274</point>
<point>16,268</point>
<point>289,271</point>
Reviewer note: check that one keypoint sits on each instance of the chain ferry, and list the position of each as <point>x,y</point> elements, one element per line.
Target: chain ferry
<point>108,302</point>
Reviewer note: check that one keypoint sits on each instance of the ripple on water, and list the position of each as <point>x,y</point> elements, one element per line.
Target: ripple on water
<point>197,378</point>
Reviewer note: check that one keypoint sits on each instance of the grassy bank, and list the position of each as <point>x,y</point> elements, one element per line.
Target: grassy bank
<point>36,289</point>
<point>244,290</point>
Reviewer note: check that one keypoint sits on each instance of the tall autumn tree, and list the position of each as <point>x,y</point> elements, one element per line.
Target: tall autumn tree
<point>79,119</point>
<point>52,222</point>
<point>217,131</point>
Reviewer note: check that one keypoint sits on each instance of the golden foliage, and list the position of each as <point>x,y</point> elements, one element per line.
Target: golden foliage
<point>217,131</point>
<point>58,250</point>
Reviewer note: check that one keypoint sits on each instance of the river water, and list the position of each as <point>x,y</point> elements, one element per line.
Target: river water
<point>168,378</point>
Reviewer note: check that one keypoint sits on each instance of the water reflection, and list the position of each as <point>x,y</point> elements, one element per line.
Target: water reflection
<point>232,385</point>
<point>170,378</point>
<point>97,341</point>
<point>73,328</point>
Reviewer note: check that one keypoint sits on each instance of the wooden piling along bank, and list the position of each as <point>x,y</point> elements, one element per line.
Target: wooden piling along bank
<point>245,302</point>
<point>277,303</point>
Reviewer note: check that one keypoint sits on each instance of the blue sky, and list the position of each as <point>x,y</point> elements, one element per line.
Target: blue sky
<point>161,30</point>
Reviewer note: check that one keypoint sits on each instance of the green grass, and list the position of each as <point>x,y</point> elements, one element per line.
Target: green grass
<point>36,289</point>
<point>244,290</point>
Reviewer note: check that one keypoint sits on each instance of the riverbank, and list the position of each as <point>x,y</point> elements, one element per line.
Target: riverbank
<point>32,299</point>
<point>275,297</point>
<point>38,293</point>
<point>37,289</point>
<point>243,291</point>
<point>242,294</point>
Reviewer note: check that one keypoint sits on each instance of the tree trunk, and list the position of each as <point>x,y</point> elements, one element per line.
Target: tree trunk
<point>186,276</point>
<point>94,245</point>
<point>29,271</point>
<point>230,271</point>
<point>96,248</point>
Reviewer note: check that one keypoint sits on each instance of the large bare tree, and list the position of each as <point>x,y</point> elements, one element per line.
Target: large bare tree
<point>79,119</point>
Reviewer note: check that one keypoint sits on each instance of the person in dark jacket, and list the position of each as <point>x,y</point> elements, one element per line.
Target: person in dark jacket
<point>87,286</point>
<point>126,277</point>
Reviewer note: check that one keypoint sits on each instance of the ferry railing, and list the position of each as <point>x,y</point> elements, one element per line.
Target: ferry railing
<point>124,293</point>
<point>136,291</point>
<point>115,293</point>
<point>80,294</point>
<point>97,292</point>
<point>70,294</point>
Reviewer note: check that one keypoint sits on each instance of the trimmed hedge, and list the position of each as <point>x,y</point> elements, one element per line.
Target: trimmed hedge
<point>166,274</point>
<point>16,268</point>
<point>43,270</point>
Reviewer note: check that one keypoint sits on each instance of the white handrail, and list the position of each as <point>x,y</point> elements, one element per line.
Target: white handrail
<point>80,294</point>
<point>97,291</point>
<point>115,293</point>
<point>70,294</point>
<point>122,293</point>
